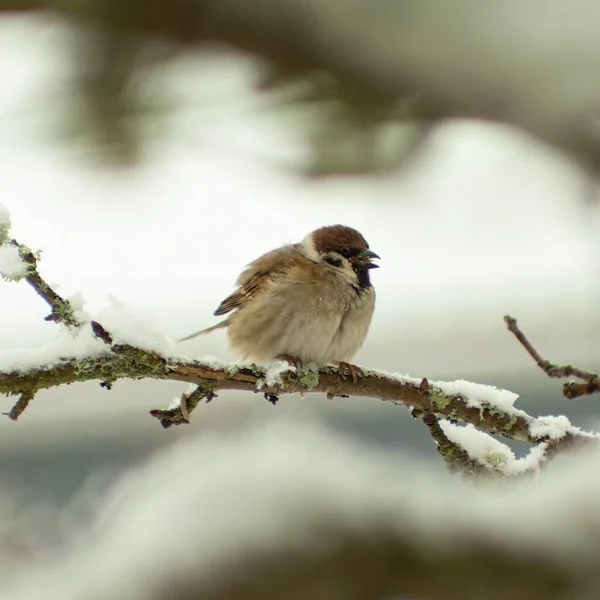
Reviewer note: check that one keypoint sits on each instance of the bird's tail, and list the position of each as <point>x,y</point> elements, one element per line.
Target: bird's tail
<point>220,325</point>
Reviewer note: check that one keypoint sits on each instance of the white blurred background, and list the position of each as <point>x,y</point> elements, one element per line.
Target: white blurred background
<point>485,222</point>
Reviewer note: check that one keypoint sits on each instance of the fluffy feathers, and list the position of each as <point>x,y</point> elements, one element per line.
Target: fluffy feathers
<point>312,300</point>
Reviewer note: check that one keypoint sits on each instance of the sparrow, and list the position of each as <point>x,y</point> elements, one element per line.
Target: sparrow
<point>310,302</point>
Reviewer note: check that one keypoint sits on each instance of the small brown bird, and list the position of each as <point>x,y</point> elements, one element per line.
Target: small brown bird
<point>310,302</point>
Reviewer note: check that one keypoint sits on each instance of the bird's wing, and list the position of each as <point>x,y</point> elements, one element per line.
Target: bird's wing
<point>257,274</point>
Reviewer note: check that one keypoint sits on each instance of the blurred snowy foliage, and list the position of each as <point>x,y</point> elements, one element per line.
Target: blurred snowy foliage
<point>366,81</point>
<point>293,510</point>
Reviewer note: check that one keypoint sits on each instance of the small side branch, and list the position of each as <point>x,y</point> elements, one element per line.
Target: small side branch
<point>20,405</point>
<point>571,389</point>
<point>457,459</point>
<point>180,413</point>
<point>101,333</point>
<point>61,309</point>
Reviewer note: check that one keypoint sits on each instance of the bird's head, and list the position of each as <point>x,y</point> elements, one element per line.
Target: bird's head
<point>341,247</point>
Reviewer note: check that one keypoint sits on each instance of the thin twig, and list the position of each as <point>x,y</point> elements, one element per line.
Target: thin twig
<point>181,414</point>
<point>571,390</point>
<point>61,309</point>
<point>20,405</point>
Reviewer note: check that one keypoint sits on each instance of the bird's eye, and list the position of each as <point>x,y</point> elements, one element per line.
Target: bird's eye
<point>345,252</point>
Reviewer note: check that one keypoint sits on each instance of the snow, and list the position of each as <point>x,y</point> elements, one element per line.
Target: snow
<point>218,364</point>
<point>273,373</point>
<point>480,446</point>
<point>4,223</point>
<point>405,379</point>
<point>477,393</point>
<point>11,264</point>
<point>553,427</point>
<point>295,478</point>
<point>530,462</point>
<point>4,217</point>
<point>78,344</point>
<point>175,403</point>
<point>132,325</point>
<point>77,302</point>
<point>491,452</point>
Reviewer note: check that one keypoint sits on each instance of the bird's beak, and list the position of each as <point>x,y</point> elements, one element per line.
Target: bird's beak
<point>364,257</point>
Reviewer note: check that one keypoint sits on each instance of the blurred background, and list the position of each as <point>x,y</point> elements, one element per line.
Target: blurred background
<point>150,168</point>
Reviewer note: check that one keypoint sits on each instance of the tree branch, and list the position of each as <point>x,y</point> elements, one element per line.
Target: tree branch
<point>571,389</point>
<point>122,361</point>
<point>20,405</point>
<point>457,459</point>
<point>61,309</point>
<point>115,360</point>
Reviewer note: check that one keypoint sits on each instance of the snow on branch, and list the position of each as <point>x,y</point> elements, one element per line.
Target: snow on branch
<point>120,345</point>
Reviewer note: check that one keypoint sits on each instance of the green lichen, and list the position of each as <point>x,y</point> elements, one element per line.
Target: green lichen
<point>256,370</point>
<point>201,392</point>
<point>510,424</point>
<point>493,410</point>
<point>125,362</point>
<point>287,381</point>
<point>233,370</point>
<point>440,402</point>
<point>308,379</point>
<point>63,311</point>
<point>29,255</point>
<point>4,228</point>
<point>451,414</point>
<point>506,422</point>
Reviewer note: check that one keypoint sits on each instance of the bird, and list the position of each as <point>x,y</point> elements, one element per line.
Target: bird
<point>309,302</point>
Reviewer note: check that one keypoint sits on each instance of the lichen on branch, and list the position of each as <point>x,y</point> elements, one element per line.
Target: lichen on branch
<point>107,356</point>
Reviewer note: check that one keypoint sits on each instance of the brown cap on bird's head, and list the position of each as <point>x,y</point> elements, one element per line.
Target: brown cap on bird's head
<point>333,243</point>
<point>337,237</point>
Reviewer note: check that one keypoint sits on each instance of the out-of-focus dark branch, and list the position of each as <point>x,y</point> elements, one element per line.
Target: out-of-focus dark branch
<point>303,523</point>
<point>384,564</point>
<point>571,389</point>
<point>378,53</point>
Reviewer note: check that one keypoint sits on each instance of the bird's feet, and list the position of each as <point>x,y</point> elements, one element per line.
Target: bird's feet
<point>294,361</point>
<point>346,368</point>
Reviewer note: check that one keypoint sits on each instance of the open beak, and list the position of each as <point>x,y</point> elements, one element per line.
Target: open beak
<point>365,256</point>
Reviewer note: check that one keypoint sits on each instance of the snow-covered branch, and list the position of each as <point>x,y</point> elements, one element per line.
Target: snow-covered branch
<point>115,347</point>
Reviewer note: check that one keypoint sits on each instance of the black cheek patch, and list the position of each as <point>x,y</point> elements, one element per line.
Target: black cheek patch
<point>332,260</point>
